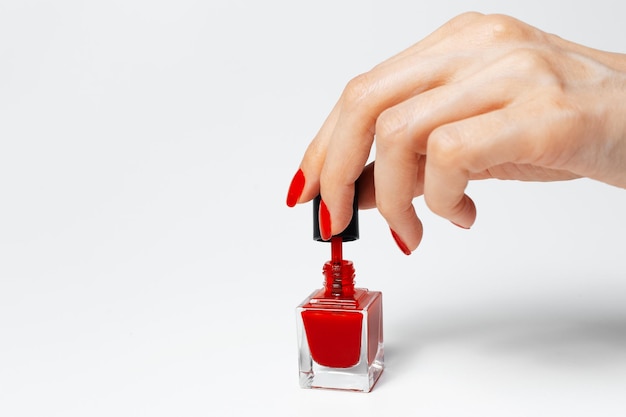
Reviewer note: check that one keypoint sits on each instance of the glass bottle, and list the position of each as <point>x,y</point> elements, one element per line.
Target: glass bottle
<point>340,328</point>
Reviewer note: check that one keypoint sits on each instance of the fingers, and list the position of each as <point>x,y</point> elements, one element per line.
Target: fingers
<point>402,135</point>
<point>336,156</point>
<point>398,178</point>
<point>338,153</point>
<point>471,97</point>
<point>457,151</point>
<point>350,142</point>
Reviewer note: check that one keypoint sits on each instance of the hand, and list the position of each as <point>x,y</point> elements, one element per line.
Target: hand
<point>484,96</point>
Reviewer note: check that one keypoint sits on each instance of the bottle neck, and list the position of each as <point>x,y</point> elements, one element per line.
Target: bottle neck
<point>339,278</point>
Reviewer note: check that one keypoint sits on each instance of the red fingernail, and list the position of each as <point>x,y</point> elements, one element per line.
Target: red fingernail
<point>458,225</point>
<point>325,225</point>
<point>403,247</point>
<point>295,188</point>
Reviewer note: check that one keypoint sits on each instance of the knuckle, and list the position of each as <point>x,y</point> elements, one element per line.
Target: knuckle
<point>445,146</point>
<point>500,27</point>
<point>463,19</point>
<point>529,61</point>
<point>467,16</point>
<point>391,128</point>
<point>358,89</point>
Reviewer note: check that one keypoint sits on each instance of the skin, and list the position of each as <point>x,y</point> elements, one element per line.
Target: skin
<point>484,96</point>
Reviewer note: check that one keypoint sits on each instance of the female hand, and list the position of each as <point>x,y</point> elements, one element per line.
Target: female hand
<point>484,96</point>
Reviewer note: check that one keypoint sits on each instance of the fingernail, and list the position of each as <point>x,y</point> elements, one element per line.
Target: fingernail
<point>325,226</point>
<point>403,247</point>
<point>295,188</point>
<point>458,225</point>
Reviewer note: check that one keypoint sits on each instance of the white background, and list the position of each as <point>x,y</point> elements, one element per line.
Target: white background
<point>150,267</point>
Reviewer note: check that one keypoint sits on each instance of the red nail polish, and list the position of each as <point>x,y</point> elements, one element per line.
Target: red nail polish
<point>295,188</point>
<point>340,329</point>
<point>403,247</point>
<point>324,221</point>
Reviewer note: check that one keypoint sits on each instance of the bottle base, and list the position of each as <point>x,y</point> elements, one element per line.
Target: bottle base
<point>360,378</point>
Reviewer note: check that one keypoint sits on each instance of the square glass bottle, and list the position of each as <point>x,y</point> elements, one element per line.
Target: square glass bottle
<point>340,331</point>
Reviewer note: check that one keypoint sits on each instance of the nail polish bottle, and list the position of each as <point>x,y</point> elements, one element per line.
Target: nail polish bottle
<point>340,327</point>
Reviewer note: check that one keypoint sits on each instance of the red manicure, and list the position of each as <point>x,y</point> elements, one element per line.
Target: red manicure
<point>403,247</point>
<point>325,226</point>
<point>295,188</point>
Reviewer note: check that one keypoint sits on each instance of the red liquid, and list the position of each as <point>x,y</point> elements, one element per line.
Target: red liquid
<point>334,337</point>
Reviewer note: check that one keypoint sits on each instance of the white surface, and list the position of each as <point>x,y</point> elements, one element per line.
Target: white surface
<point>149,265</point>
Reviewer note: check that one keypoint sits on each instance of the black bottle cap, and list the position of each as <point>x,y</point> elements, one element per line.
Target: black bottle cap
<point>350,233</point>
